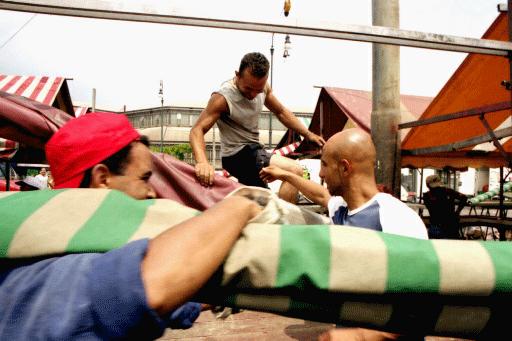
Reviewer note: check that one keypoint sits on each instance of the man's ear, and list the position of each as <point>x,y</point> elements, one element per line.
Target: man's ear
<point>100,176</point>
<point>345,166</point>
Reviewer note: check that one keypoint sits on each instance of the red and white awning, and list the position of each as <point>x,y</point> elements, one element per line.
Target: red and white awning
<point>287,149</point>
<point>79,111</point>
<point>42,89</point>
<point>7,149</point>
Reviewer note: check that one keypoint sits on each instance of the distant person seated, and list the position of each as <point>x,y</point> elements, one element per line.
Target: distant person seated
<point>31,183</point>
<point>444,206</point>
<point>43,177</point>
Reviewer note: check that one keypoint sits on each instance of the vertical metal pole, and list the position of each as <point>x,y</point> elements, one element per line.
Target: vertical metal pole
<point>7,176</point>
<point>161,93</point>
<point>386,98</point>
<point>421,186</point>
<point>270,114</point>
<point>321,118</point>
<point>93,99</point>
<point>214,146</point>
<point>162,128</point>
<point>502,210</point>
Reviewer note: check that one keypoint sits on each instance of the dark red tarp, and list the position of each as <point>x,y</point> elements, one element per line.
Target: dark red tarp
<point>32,123</point>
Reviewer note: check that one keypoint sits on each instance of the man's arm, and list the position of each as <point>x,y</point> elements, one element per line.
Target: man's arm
<point>216,105</point>
<point>179,261</point>
<point>313,191</point>
<point>289,120</point>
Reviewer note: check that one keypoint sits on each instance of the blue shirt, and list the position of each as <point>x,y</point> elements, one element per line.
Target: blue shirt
<point>88,296</point>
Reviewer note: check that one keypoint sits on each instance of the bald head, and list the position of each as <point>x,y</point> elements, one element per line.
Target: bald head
<point>354,145</point>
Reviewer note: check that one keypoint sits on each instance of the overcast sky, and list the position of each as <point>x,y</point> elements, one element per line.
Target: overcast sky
<point>125,61</point>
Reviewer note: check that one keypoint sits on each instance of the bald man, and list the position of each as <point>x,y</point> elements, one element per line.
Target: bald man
<point>352,196</point>
<point>353,199</point>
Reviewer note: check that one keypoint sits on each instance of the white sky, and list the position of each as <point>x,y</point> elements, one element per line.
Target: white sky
<point>125,61</point>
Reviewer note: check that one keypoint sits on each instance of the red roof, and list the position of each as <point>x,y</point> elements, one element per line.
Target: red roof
<point>357,105</point>
<point>339,108</point>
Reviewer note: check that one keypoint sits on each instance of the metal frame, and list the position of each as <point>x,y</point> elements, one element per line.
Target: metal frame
<point>498,134</point>
<point>162,13</point>
<point>481,111</point>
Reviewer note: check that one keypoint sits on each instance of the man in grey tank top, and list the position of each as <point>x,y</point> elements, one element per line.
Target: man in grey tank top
<point>236,108</point>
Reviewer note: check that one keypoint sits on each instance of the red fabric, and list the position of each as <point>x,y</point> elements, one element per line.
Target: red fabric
<point>32,123</point>
<point>84,142</point>
<point>176,180</point>
<point>28,122</point>
<point>12,186</point>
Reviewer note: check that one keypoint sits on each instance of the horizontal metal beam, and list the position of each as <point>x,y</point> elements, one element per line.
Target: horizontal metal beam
<point>501,133</point>
<point>460,114</point>
<point>161,12</point>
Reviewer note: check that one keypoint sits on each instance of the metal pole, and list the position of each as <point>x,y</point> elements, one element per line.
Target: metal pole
<point>162,128</point>
<point>7,176</point>
<point>502,207</point>
<point>421,186</point>
<point>159,12</point>
<point>270,114</point>
<point>214,152</point>
<point>161,93</point>
<point>386,98</point>
<point>93,99</point>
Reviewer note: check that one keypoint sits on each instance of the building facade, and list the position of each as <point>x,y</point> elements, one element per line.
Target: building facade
<point>170,125</point>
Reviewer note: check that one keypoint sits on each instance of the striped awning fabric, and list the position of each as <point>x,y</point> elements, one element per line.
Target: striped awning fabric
<point>291,147</point>
<point>337,274</point>
<point>42,89</point>
<point>7,149</point>
<point>79,111</point>
<point>286,149</point>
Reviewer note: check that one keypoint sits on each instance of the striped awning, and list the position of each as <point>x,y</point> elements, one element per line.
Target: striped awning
<point>42,89</point>
<point>286,149</point>
<point>7,149</point>
<point>80,110</point>
<point>290,148</point>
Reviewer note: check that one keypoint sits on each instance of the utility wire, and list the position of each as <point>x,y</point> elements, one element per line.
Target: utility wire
<point>15,33</point>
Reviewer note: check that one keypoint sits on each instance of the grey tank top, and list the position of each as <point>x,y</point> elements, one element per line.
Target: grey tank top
<point>239,126</point>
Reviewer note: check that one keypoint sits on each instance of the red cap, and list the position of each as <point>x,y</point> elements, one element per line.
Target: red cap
<point>84,142</point>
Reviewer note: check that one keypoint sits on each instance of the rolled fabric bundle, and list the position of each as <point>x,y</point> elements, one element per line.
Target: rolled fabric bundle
<point>338,274</point>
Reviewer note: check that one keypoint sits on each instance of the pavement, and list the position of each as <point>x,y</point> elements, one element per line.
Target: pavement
<point>256,326</point>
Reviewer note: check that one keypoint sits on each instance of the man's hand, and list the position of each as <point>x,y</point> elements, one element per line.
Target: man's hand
<point>204,173</point>
<point>272,173</point>
<point>319,140</point>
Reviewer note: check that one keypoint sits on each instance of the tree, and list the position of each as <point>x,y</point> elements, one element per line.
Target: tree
<point>179,151</point>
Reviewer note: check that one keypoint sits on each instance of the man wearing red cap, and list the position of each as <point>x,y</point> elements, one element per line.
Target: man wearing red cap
<point>101,150</point>
<point>135,291</point>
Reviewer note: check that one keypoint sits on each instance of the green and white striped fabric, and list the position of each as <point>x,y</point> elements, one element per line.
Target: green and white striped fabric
<point>488,195</point>
<point>338,274</point>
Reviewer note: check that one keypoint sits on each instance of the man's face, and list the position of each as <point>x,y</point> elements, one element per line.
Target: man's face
<point>249,85</point>
<point>43,171</point>
<point>330,172</point>
<point>135,179</point>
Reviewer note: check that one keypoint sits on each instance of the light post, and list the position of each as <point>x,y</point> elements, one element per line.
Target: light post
<point>161,95</point>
